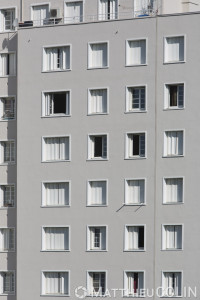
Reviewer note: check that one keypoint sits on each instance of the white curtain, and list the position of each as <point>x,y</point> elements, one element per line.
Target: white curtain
<point>6,239</point>
<point>132,237</point>
<point>135,191</point>
<point>74,12</point>
<point>56,238</point>
<point>172,284</point>
<point>98,101</point>
<point>56,194</point>
<point>107,9</point>
<point>3,64</point>
<point>98,192</point>
<point>134,279</point>
<point>98,55</point>
<point>141,7</point>
<point>57,58</point>
<point>174,142</point>
<point>174,49</point>
<point>173,234</point>
<point>39,14</point>
<point>57,148</point>
<point>173,190</point>
<point>56,283</point>
<point>137,52</point>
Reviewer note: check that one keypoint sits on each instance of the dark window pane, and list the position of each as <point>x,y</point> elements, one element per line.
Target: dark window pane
<point>173,95</point>
<point>141,237</point>
<point>98,146</point>
<point>136,138</point>
<point>59,103</point>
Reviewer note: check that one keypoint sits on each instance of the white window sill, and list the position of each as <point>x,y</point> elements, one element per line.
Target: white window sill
<point>96,250</point>
<point>54,206</point>
<point>133,296</point>
<point>134,204</point>
<point>7,163</point>
<point>55,295</point>
<point>97,68</point>
<point>97,159</point>
<point>7,120</point>
<point>135,157</point>
<point>172,203</point>
<point>54,250</point>
<point>97,114</point>
<point>135,111</point>
<point>173,108</point>
<point>172,250</point>
<point>7,251</point>
<point>98,205</point>
<point>55,161</point>
<point>8,294</point>
<point>170,297</point>
<point>138,65</point>
<point>6,207</point>
<point>55,116</point>
<point>172,156</point>
<point>7,31</point>
<point>135,250</point>
<point>53,71</point>
<point>173,62</point>
<point>6,76</point>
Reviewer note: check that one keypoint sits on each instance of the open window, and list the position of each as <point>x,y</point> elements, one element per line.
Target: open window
<point>97,148</point>
<point>56,104</point>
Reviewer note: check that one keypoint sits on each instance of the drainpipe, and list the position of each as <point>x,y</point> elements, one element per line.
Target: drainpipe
<point>21,10</point>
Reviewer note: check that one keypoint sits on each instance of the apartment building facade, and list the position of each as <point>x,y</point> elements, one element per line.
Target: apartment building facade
<point>99,146</point>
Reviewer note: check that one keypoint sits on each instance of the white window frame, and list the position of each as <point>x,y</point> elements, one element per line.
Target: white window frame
<point>56,46</point>
<point>39,4</point>
<point>72,1</point>
<point>127,64</point>
<point>89,146</point>
<point>102,17</point>
<point>89,238</point>
<point>127,106</point>
<point>54,271</point>
<point>165,155</point>
<point>43,249</point>
<point>55,136</point>
<point>88,279</point>
<point>16,16</point>
<point>127,145</point>
<point>14,98</point>
<point>126,283</point>
<point>14,235</point>
<point>14,67</point>
<point>164,190</point>
<point>162,283</point>
<point>89,99</point>
<point>1,288</point>
<point>89,53</point>
<point>88,192</point>
<point>164,237</point>
<point>1,149</point>
<point>44,192</point>
<point>167,96</point>
<point>126,191</point>
<point>2,200</point>
<point>55,115</point>
<point>165,45</point>
<point>126,236</point>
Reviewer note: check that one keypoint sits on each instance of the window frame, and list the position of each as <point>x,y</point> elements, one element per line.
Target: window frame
<point>38,4</point>
<point>43,238</point>
<point>56,115</point>
<point>3,163</point>
<point>125,282</point>
<point>9,271</point>
<point>106,19</point>
<point>127,104</point>
<point>164,142</point>
<point>163,235</point>
<point>88,280</point>
<point>56,46</point>
<point>88,192</point>
<point>88,238</point>
<point>54,271</point>
<point>89,99</point>
<point>127,156</point>
<point>16,15</point>
<point>14,248</point>
<point>15,108</point>
<point>89,135</point>
<point>164,187</point>
<point>55,136</point>
<point>125,236</point>
<point>89,51</point>
<point>64,10</point>
<point>43,193</point>
<point>126,191</point>
<point>15,64</point>
<point>14,205</point>
<point>166,96</point>
<point>164,48</point>
<point>162,282</point>
<point>127,49</point>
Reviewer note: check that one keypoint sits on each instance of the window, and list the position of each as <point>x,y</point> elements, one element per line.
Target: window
<point>56,58</point>
<point>97,193</point>
<point>7,64</point>
<point>96,283</point>
<point>7,17</point>
<point>7,282</point>
<point>55,238</point>
<point>56,104</point>
<point>7,195</point>
<point>56,149</point>
<point>171,284</point>
<point>7,239</point>
<point>134,238</point>
<point>135,146</point>
<point>7,152</point>
<point>97,148</point>
<point>40,15</point>
<point>143,7</point>
<point>97,102</point>
<point>174,49</point>
<point>107,9</point>
<point>136,99</point>
<point>173,190</point>
<point>55,283</point>
<point>134,283</point>
<point>96,238</point>
<point>136,52</point>
<point>98,55</point>
<point>172,237</point>
<point>7,108</point>
<point>174,96</point>
<point>173,143</point>
<point>134,191</point>
<point>55,194</point>
<point>73,12</point>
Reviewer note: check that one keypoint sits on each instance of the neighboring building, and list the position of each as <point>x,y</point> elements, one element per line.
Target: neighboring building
<point>99,126</point>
